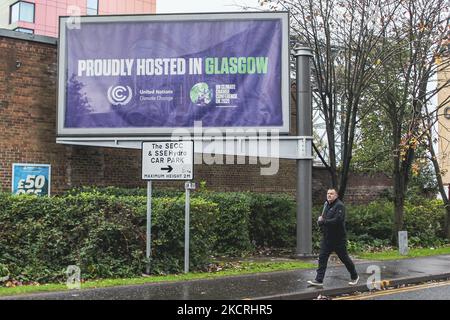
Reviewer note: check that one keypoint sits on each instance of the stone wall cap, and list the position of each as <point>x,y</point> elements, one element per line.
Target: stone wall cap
<point>6,33</point>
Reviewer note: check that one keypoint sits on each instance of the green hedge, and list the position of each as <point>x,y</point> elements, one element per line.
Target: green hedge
<point>272,221</point>
<point>250,220</point>
<point>232,224</point>
<point>246,219</point>
<point>104,231</point>
<point>425,223</point>
<point>371,225</point>
<point>168,233</point>
<point>122,192</point>
<point>104,235</point>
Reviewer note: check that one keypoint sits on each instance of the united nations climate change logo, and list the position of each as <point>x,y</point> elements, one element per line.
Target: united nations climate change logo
<point>201,94</point>
<point>119,95</point>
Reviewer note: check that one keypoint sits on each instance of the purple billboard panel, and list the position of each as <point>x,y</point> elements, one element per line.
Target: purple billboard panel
<point>130,75</point>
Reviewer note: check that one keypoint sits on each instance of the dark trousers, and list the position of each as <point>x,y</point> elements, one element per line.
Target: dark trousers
<point>340,247</point>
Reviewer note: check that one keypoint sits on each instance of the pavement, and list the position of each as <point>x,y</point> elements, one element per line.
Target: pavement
<point>289,285</point>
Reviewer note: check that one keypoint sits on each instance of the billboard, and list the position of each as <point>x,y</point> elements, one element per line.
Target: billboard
<point>31,179</point>
<point>151,74</point>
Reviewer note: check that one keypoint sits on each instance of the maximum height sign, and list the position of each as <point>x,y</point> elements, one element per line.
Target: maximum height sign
<point>168,160</point>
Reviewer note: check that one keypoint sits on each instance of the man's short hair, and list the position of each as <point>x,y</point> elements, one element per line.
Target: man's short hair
<point>333,190</point>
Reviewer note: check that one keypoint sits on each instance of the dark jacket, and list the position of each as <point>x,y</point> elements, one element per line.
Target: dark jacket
<point>333,225</point>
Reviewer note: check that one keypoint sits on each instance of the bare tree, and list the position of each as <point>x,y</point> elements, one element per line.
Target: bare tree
<point>382,51</point>
<point>419,34</point>
<point>346,37</point>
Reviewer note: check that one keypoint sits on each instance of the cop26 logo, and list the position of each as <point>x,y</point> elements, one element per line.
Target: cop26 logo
<point>119,95</point>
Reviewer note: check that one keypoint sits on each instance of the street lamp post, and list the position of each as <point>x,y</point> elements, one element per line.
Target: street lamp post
<point>304,166</point>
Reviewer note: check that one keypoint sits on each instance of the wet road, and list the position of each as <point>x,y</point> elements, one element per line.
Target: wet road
<point>430,291</point>
<point>275,285</point>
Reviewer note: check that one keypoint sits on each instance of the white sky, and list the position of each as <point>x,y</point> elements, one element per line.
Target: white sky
<point>179,6</point>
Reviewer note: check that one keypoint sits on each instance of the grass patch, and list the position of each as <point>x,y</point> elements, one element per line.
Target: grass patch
<point>240,268</point>
<point>394,254</point>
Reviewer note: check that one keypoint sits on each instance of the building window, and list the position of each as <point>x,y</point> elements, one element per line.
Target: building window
<point>92,7</point>
<point>24,30</point>
<point>21,11</point>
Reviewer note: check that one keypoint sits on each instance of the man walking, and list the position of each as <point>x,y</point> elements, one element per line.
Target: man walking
<point>334,238</point>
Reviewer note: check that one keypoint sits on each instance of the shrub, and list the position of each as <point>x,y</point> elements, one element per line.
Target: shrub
<point>232,224</point>
<point>104,235</point>
<point>273,220</point>
<point>104,231</point>
<point>121,192</point>
<point>425,223</point>
<point>373,221</point>
<point>168,233</point>
<point>371,225</point>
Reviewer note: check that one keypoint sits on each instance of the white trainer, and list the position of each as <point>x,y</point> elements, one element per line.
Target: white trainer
<point>354,282</point>
<point>315,283</point>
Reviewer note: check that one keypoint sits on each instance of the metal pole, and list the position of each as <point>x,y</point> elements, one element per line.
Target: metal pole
<point>186,230</point>
<point>304,166</point>
<point>149,224</point>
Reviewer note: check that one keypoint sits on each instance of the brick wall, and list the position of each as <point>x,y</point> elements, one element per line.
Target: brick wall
<point>27,109</point>
<point>28,134</point>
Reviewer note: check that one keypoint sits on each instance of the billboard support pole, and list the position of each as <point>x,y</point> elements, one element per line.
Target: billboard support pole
<point>149,224</point>
<point>188,186</point>
<point>304,166</point>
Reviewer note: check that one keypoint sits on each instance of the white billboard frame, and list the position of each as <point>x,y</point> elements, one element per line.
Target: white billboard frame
<point>63,131</point>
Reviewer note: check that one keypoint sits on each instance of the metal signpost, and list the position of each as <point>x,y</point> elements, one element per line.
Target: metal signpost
<point>149,225</point>
<point>167,160</point>
<point>188,186</point>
